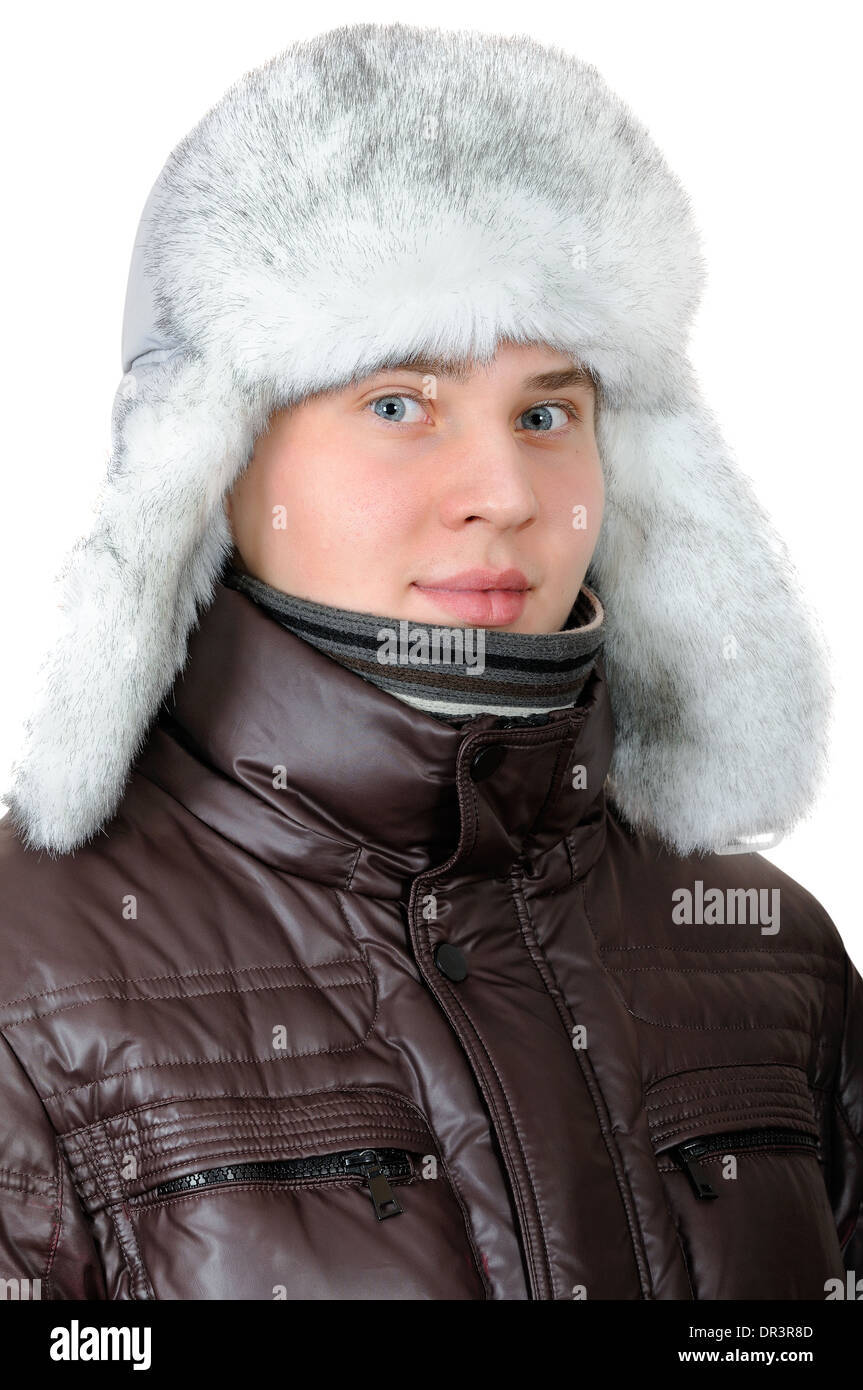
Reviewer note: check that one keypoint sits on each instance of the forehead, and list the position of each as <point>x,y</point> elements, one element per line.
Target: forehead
<point>461,369</point>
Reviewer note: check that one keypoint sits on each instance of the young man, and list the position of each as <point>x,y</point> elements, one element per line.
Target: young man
<point>380,916</point>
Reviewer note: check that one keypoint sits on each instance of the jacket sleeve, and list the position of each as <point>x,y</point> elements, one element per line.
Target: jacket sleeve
<point>845,1102</point>
<point>45,1235</point>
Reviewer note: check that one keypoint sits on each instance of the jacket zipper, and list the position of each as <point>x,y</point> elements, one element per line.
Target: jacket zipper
<point>377,1166</point>
<point>686,1154</point>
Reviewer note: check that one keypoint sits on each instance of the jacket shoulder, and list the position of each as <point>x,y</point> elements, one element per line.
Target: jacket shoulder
<point>743,891</point>
<point>60,914</point>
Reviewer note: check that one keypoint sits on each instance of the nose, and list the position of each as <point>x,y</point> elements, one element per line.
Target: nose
<point>487,478</point>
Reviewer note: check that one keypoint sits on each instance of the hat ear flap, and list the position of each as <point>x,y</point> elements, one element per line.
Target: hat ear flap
<point>129,596</point>
<point>716,671</point>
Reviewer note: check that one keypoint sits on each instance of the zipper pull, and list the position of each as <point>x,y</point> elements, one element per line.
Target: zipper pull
<point>382,1194</point>
<point>696,1174</point>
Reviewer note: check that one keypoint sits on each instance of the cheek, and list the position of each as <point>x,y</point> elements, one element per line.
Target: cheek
<point>594,499</point>
<point>572,504</point>
<point>352,502</point>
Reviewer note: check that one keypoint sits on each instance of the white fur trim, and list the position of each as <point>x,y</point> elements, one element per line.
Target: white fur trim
<point>717,674</point>
<point>130,595</point>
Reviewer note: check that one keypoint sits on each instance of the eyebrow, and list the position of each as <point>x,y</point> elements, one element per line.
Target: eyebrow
<point>575,375</point>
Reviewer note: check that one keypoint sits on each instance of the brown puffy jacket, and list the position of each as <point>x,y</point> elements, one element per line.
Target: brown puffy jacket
<point>348,1003</point>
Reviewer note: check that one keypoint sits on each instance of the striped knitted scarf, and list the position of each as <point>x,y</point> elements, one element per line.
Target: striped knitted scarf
<point>451,673</point>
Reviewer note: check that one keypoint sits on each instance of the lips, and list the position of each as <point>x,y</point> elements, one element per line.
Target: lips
<point>484,598</point>
<point>473,580</point>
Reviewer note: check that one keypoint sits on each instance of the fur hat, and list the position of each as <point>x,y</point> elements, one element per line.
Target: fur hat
<point>383,190</point>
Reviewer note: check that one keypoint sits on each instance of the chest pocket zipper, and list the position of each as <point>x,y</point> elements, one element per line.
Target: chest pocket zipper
<point>686,1155</point>
<point>376,1166</point>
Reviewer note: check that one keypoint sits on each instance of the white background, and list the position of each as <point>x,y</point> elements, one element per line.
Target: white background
<point>753,105</point>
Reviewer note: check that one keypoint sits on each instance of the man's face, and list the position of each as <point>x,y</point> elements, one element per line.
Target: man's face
<point>379,497</point>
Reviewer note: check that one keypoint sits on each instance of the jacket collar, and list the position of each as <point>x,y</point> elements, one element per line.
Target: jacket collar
<point>313,770</point>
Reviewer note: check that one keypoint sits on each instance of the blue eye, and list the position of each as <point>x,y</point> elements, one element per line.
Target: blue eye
<point>394,408</point>
<point>541,416</point>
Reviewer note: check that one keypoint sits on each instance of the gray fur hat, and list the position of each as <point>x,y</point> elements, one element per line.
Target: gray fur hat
<point>383,190</point>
